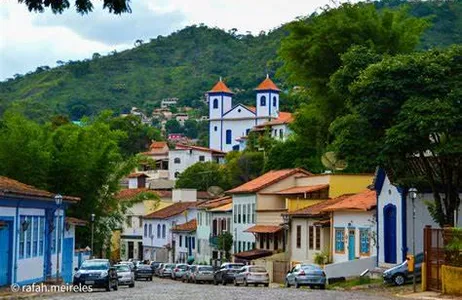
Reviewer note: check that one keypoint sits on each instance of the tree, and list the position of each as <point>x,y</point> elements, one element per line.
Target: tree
<point>173,126</point>
<point>312,54</point>
<point>82,6</point>
<point>225,243</point>
<point>406,115</point>
<point>243,166</point>
<point>201,176</point>
<point>190,128</point>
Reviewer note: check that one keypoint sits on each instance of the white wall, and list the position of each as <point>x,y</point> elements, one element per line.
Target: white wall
<point>184,195</point>
<point>187,158</point>
<point>268,109</point>
<point>203,249</point>
<point>350,268</point>
<point>238,129</point>
<point>304,253</point>
<point>356,220</point>
<point>239,112</point>
<point>214,135</point>
<point>225,103</point>
<point>276,129</point>
<point>238,228</point>
<point>136,212</point>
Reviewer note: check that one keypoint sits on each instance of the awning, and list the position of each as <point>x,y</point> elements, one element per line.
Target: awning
<point>264,229</point>
<point>223,208</point>
<point>323,223</point>
<point>253,254</point>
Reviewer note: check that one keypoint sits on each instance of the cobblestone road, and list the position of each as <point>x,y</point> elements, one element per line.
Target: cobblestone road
<point>161,289</point>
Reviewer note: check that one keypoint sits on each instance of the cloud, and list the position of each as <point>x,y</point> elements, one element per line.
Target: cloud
<point>143,23</point>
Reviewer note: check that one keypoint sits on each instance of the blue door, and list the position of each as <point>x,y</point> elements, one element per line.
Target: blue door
<point>68,245</point>
<point>5,252</point>
<point>351,244</point>
<point>389,230</point>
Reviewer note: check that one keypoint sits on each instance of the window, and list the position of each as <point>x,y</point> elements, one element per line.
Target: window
<point>239,246</point>
<point>318,237</point>
<point>310,237</point>
<point>201,158</point>
<point>235,213</point>
<point>281,134</point>
<point>253,245</point>
<point>215,103</point>
<point>140,222</point>
<point>339,240</point>
<point>193,242</point>
<point>181,240</point>
<point>248,246</point>
<point>21,238</point>
<point>163,231</point>
<point>60,230</point>
<point>239,214</point>
<point>262,101</point>
<point>253,213</point>
<point>215,128</point>
<point>275,101</point>
<point>177,174</point>
<point>129,221</point>
<point>199,246</point>
<point>53,239</point>
<point>299,236</point>
<point>228,136</point>
<point>177,160</point>
<point>248,212</point>
<point>28,237</point>
<point>35,236</point>
<point>41,234</point>
<point>146,230</point>
<point>365,242</point>
<point>247,131</point>
<point>244,213</point>
<point>158,231</point>
<point>261,238</point>
<point>267,241</point>
<point>150,230</point>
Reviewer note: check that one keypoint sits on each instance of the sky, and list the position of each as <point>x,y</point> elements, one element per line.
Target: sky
<point>29,40</point>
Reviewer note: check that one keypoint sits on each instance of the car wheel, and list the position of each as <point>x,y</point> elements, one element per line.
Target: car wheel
<point>266,284</point>
<point>322,286</point>
<point>287,284</point>
<point>399,279</point>
<point>131,285</point>
<point>235,283</point>
<point>246,283</point>
<point>297,285</point>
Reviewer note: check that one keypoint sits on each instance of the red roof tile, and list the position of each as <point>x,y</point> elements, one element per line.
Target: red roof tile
<point>264,229</point>
<point>158,145</point>
<point>301,189</point>
<point>267,85</point>
<point>251,108</point>
<point>188,226</point>
<point>253,254</point>
<point>316,209</point>
<point>216,202</point>
<point>220,87</point>
<point>198,148</point>
<point>136,175</point>
<point>364,201</point>
<point>11,187</point>
<point>265,180</point>
<point>283,118</point>
<point>170,211</point>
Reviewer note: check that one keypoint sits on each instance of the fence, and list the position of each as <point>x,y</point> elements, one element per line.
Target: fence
<point>441,247</point>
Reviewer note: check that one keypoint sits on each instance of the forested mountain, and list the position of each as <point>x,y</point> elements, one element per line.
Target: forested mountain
<point>184,64</point>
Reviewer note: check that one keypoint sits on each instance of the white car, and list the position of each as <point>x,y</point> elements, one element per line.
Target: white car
<point>125,275</point>
<point>252,275</point>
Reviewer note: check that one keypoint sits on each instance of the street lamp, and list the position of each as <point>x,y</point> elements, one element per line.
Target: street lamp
<point>58,201</point>
<point>223,231</point>
<point>413,195</point>
<point>92,228</point>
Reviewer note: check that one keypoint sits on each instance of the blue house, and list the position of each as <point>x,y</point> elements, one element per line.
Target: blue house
<point>29,220</point>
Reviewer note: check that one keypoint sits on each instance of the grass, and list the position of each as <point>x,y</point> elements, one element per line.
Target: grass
<point>354,282</point>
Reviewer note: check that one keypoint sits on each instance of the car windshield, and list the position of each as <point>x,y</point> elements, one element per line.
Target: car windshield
<point>205,269</point>
<point>169,266</point>
<point>122,268</point>
<point>257,270</point>
<point>310,267</point>
<point>94,265</point>
<point>182,267</point>
<point>235,266</point>
<point>144,267</point>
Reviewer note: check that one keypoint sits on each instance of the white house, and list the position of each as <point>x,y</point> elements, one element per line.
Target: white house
<point>29,224</point>
<point>394,220</point>
<point>158,238</point>
<point>184,236</point>
<point>229,124</point>
<point>184,156</point>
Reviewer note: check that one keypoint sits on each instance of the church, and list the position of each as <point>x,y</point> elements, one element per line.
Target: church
<point>229,125</point>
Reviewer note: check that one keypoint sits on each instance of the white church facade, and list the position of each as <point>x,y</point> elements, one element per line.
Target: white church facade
<point>230,125</point>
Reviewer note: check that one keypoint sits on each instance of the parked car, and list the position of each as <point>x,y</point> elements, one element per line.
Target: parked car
<point>187,274</point>
<point>178,271</point>
<point>306,274</point>
<point>97,273</point>
<point>252,275</point>
<point>154,266</point>
<point>399,275</point>
<point>226,273</point>
<point>202,274</point>
<point>143,271</point>
<point>125,275</point>
<point>128,263</point>
<point>158,269</point>
<point>166,270</point>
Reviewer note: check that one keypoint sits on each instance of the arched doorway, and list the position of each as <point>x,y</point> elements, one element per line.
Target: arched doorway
<point>389,231</point>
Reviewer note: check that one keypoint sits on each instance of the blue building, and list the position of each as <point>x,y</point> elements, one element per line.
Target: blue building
<point>29,220</point>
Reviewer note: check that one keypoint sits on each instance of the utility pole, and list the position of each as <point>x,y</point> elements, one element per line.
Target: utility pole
<point>58,200</point>
<point>92,230</point>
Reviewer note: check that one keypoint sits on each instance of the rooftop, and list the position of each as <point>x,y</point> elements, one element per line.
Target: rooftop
<point>283,118</point>
<point>220,87</point>
<point>198,148</point>
<point>363,201</point>
<point>136,175</point>
<point>267,85</point>
<point>253,254</point>
<point>186,227</point>
<point>264,229</point>
<point>216,202</point>
<point>14,188</point>
<point>301,189</point>
<point>172,210</point>
<point>316,209</point>
<point>266,179</point>
<point>75,221</point>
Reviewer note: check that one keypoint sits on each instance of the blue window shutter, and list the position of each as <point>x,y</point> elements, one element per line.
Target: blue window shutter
<point>215,103</point>
<point>228,136</point>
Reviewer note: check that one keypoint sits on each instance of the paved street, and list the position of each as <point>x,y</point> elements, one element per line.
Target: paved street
<point>167,289</point>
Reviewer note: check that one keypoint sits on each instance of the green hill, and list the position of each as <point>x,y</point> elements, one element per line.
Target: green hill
<point>184,64</point>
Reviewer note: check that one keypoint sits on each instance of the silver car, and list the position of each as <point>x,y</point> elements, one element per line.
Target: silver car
<point>187,274</point>
<point>178,271</point>
<point>166,270</point>
<point>252,275</point>
<point>306,274</point>
<point>202,274</point>
<point>125,275</point>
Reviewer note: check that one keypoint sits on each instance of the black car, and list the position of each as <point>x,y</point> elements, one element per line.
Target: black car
<point>143,271</point>
<point>97,273</point>
<point>155,265</point>
<point>226,273</point>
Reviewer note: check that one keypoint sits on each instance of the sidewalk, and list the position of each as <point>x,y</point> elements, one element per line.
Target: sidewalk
<point>428,295</point>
